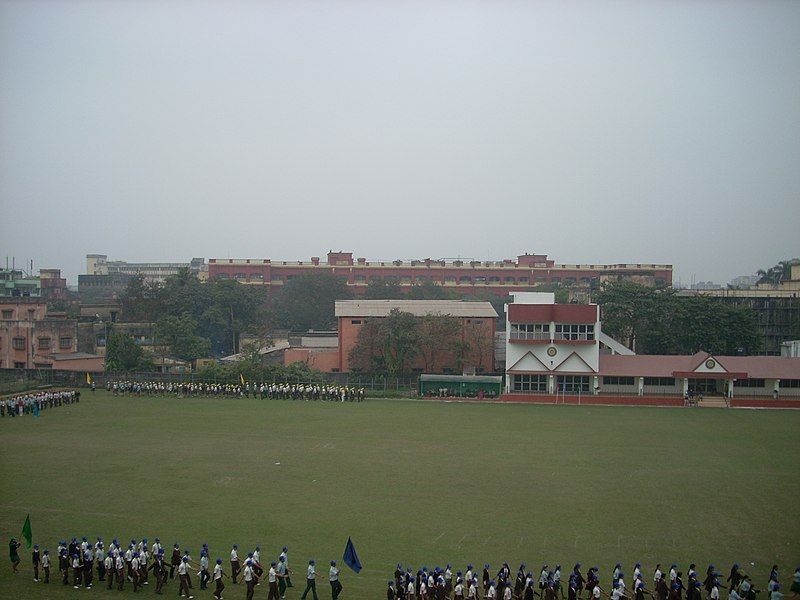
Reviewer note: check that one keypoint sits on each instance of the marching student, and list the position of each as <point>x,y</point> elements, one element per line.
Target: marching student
<point>175,560</point>
<point>235,564</point>
<point>249,576</point>
<point>272,578</point>
<point>108,564</point>
<point>13,552</point>
<point>183,576</point>
<point>217,576</point>
<point>119,565</point>
<point>46,565</point>
<point>333,578</point>
<point>311,581</point>
<point>36,559</point>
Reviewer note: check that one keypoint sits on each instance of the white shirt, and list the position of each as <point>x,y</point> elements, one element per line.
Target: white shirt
<point>492,593</point>
<point>120,564</point>
<point>334,574</point>
<point>715,593</point>
<point>616,594</point>
<point>273,576</point>
<point>248,573</point>
<point>410,589</point>
<point>459,589</point>
<point>234,555</point>
<point>310,573</point>
<point>657,575</point>
<point>45,561</point>
<point>217,572</point>
<point>109,562</point>
<point>472,591</point>
<point>673,575</point>
<point>507,593</point>
<point>596,591</point>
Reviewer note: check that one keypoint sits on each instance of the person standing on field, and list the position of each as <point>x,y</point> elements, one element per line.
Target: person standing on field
<point>249,576</point>
<point>36,559</point>
<point>333,577</point>
<point>311,581</point>
<point>235,564</point>
<point>217,576</point>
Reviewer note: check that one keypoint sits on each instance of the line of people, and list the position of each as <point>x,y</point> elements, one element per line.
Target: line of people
<point>139,562</point>
<point>32,403</point>
<point>441,584</point>
<point>273,391</point>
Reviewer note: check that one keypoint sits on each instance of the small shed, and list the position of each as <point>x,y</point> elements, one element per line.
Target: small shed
<point>463,386</point>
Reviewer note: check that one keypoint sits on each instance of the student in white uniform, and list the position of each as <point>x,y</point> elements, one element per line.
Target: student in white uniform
<point>333,578</point>
<point>183,576</point>
<point>217,577</point>
<point>311,581</point>
<point>249,576</point>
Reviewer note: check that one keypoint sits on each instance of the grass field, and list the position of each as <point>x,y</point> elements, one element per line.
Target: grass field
<point>415,482</point>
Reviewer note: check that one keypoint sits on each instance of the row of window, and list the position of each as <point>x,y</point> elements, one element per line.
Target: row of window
<point>564,383</point>
<point>407,279</point>
<point>8,314</point>
<point>44,343</point>
<point>541,331</point>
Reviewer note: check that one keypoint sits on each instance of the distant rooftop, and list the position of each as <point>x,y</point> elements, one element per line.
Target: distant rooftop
<point>418,308</point>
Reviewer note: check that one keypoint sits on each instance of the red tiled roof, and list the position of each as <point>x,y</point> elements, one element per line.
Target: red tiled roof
<point>756,367</point>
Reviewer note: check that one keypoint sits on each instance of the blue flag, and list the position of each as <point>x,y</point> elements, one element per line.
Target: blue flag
<point>350,557</point>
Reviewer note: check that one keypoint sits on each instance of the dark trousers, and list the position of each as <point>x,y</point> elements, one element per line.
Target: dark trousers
<point>204,577</point>
<point>110,579</point>
<point>101,571</point>
<point>220,587</point>
<point>120,578</point>
<point>234,570</point>
<point>273,591</point>
<point>184,585</point>
<point>336,589</point>
<point>251,588</point>
<point>311,585</point>
<point>88,574</point>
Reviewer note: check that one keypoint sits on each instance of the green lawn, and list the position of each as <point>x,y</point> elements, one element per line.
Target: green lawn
<point>416,482</point>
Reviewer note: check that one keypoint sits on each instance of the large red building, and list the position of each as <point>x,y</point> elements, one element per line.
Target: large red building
<point>466,277</point>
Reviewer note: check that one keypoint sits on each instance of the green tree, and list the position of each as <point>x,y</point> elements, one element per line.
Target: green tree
<point>124,354</point>
<point>437,336</point>
<point>386,345</point>
<point>777,273</point>
<point>380,288</point>
<point>428,290</point>
<point>179,334</point>
<point>307,301</point>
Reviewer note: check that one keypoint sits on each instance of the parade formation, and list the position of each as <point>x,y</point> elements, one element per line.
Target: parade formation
<point>138,563</point>
<point>438,584</point>
<point>33,403</point>
<point>274,391</point>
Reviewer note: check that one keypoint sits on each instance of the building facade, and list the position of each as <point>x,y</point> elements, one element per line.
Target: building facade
<point>98,264</point>
<point>556,349</point>
<point>465,276</point>
<point>30,338</point>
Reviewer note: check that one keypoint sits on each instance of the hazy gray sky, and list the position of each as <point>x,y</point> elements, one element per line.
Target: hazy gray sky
<point>591,131</point>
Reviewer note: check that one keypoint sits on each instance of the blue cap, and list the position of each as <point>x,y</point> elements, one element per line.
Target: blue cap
<point>333,563</point>
<point>219,561</point>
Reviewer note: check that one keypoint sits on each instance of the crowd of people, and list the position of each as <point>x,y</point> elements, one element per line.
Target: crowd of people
<point>138,563</point>
<point>278,391</point>
<point>472,584</point>
<point>32,403</point>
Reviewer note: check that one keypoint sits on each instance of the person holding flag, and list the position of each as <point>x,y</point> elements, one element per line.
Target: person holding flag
<point>311,581</point>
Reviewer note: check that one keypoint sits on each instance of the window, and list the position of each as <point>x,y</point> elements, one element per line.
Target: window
<point>275,277</point>
<point>256,277</point>
<point>360,279</point>
<point>494,280</point>
<point>530,331</point>
<point>569,280</point>
<point>222,276</point>
<point>8,314</point>
<point>18,343</point>
<point>574,332</point>
<point>540,280</point>
<point>523,281</point>
<point>660,381</point>
<point>509,280</point>
<point>65,343</point>
<point>19,365</point>
<point>240,276</point>
<point>750,383</point>
<point>31,314</point>
<point>44,343</point>
<point>790,383</point>
<point>555,280</point>
<point>464,279</point>
<point>449,278</point>
<point>573,384</point>
<point>614,380</point>
<point>355,322</point>
<point>530,383</point>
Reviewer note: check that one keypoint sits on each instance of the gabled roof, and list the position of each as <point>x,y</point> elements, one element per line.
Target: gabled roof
<point>418,308</point>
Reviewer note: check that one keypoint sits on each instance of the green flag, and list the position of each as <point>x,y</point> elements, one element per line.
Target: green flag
<point>26,531</point>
